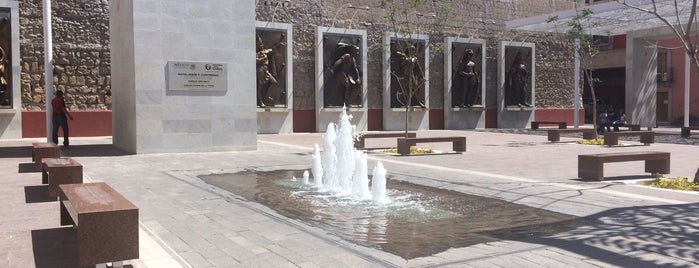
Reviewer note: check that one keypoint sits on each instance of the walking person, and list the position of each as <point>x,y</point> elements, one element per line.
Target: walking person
<point>60,118</point>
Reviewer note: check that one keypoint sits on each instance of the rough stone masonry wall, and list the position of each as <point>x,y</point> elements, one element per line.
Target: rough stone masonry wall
<point>474,18</point>
<point>82,59</point>
<point>80,52</point>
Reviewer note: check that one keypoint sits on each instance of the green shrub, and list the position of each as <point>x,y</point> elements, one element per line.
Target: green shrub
<point>679,183</point>
<point>597,141</point>
<point>413,150</point>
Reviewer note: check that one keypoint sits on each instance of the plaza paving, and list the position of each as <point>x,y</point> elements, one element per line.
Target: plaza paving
<point>185,222</point>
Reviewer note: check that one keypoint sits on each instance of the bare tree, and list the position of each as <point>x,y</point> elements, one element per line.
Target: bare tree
<point>586,47</point>
<point>681,29</point>
<point>408,20</point>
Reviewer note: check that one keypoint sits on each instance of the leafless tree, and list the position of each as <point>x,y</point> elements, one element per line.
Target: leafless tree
<point>682,29</point>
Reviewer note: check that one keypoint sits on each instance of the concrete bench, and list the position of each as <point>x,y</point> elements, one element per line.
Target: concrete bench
<point>57,171</point>
<point>359,143</point>
<point>458,143</point>
<point>555,134</point>
<point>611,138</point>
<point>43,150</point>
<point>106,223</point>
<point>632,127</point>
<point>686,131</point>
<point>561,125</point>
<point>591,166</point>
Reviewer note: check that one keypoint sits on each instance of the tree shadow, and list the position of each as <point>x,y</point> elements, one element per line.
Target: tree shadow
<point>626,237</point>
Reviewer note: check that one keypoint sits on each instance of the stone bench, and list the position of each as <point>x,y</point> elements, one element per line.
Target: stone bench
<point>458,143</point>
<point>359,143</point>
<point>611,138</point>
<point>57,171</point>
<point>632,127</point>
<point>555,134</point>
<point>591,166</point>
<point>561,125</point>
<point>686,131</point>
<point>106,223</point>
<point>43,150</point>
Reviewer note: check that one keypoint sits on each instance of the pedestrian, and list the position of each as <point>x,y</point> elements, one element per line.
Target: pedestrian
<point>60,118</point>
<point>603,122</point>
<point>611,117</point>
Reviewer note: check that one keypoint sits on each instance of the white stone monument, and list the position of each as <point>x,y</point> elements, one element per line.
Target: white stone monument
<point>183,75</point>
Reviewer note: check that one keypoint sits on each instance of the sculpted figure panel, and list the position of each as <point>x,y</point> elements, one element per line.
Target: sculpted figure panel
<point>466,81</point>
<point>407,74</point>
<point>5,61</point>
<point>271,62</point>
<point>343,71</point>
<point>518,77</point>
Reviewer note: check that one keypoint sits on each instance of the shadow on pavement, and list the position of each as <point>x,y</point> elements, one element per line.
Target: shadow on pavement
<point>92,150</point>
<point>27,168</point>
<point>72,151</point>
<point>57,247</point>
<point>669,231</point>
<point>37,194</point>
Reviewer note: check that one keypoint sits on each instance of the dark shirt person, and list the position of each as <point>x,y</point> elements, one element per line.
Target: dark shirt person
<point>60,118</point>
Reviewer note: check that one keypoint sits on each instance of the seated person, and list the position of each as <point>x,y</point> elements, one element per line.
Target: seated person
<point>619,122</point>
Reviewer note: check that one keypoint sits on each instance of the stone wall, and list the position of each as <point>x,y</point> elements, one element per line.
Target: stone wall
<point>80,52</point>
<point>82,60</point>
<point>482,19</point>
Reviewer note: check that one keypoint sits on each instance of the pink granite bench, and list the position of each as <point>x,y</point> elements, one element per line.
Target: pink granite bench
<point>458,143</point>
<point>43,150</point>
<point>561,125</point>
<point>57,171</point>
<point>611,138</point>
<point>687,131</point>
<point>106,223</point>
<point>359,144</point>
<point>591,166</point>
<point>555,134</point>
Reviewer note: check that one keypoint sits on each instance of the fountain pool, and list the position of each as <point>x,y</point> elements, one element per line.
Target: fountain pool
<point>404,219</point>
<point>419,221</point>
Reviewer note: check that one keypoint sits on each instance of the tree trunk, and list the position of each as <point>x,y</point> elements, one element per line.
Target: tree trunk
<point>588,75</point>
<point>696,176</point>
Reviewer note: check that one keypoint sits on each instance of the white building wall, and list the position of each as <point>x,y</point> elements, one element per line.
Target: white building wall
<point>149,118</point>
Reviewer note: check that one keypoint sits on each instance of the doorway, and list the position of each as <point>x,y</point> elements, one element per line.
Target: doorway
<point>662,107</point>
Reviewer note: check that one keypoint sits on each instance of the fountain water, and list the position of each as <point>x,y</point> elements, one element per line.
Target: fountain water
<point>341,169</point>
<point>416,220</point>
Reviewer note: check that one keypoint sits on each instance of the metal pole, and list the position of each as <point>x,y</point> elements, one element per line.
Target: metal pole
<point>576,101</point>
<point>686,90</point>
<point>48,68</point>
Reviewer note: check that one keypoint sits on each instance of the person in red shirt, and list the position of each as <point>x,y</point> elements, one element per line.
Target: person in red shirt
<point>59,118</point>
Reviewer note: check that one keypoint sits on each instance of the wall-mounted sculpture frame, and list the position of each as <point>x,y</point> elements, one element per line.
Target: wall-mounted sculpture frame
<point>10,88</point>
<point>341,57</point>
<point>516,85</point>
<point>406,72</point>
<point>274,77</point>
<point>464,83</point>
